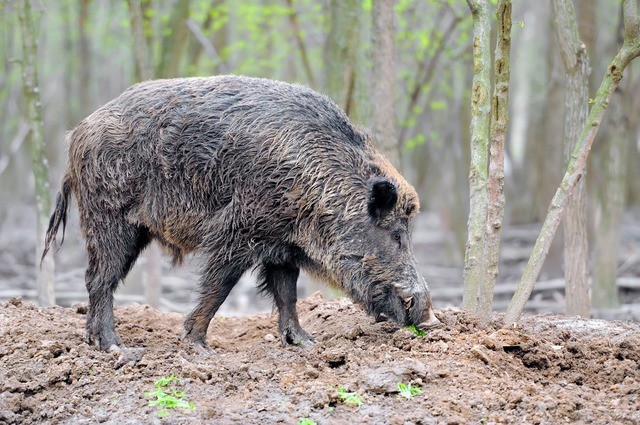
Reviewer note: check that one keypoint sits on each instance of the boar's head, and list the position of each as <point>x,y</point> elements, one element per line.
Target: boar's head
<point>380,269</point>
<point>366,249</point>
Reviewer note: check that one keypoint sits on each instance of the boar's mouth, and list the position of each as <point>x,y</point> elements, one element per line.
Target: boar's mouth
<point>402,306</point>
<point>416,308</point>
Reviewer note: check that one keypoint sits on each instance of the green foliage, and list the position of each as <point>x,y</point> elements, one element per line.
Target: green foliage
<point>417,331</point>
<point>437,105</point>
<point>415,141</point>
<point>348,398</point>
<point>167,400</point>
<point>408,390</point>
<point>306,421</point>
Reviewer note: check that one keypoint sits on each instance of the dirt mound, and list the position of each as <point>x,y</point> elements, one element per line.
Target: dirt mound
<point>544,370</point>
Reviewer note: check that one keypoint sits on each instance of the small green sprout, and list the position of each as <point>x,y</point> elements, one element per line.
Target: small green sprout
<point>165,380</point>
<point>350,399</point>
<point>166,400</point>
<point>408,390</point>
<point>416,330</point>
<point>307,421</point>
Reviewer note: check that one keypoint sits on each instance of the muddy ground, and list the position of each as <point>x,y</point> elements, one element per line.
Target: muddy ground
<point>547,369</point>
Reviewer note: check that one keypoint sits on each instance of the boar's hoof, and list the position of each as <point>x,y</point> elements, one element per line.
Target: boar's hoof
<point>103,340</point>
<point>202,348</point>
<point>296,336</point>
<point>197,344</point>
<point>129,356</point>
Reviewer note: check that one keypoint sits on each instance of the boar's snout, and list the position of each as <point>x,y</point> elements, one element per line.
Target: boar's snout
<point>417,308</point>
<point>429,320</point>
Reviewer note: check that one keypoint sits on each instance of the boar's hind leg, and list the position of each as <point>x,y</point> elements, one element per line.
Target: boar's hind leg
<point>215,286</point>
<point>281,282</point>
<point>111,251</point>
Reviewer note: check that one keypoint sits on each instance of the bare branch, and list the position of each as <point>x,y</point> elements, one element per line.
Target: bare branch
<point>208,47</point>
<point>293,19</point>
<point>423,77</point>
<point>473,6</point>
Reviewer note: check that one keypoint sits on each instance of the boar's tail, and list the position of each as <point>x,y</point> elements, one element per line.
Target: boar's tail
<point>59,215</point>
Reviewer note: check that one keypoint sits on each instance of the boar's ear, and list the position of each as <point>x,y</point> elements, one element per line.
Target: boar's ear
<point>383,196</point>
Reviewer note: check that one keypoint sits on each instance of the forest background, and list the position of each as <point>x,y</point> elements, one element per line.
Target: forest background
<point>91,50</point>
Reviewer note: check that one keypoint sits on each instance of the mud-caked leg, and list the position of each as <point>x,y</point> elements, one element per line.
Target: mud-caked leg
<point>215,286</point>
<point>281,282</point>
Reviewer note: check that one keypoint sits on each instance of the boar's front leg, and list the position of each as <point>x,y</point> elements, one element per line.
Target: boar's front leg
<point>281,282</point>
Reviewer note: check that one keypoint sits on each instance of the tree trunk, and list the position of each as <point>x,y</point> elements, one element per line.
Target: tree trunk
<point>629,51</point>
<point>549,153</point>
<point>144,70</point>
<point>174,40</point>
<point>576,65</point>
<point>610,200</point>
<point>46,296</point>
<point>495,184</point>
<point>384,80</point>
<point>632,190</point>
<point>588,28</point>
<point>304,56</point>
<point>480,119</point>
<point>610,206</point>
<point>342,58</point>
<point>84,82</point>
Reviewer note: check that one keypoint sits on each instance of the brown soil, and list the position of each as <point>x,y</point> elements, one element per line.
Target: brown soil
<point>546,369</point>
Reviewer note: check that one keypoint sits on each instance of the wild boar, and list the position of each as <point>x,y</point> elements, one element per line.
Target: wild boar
<point>251,173</point>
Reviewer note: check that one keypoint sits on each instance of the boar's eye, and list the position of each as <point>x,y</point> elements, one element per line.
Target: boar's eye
<point>410,209</point>
<point>383,196</point>
<point>398,239</point>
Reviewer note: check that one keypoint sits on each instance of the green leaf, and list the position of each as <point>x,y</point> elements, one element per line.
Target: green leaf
<point>408,390</point>
<point>417,331</point>
<point>163,382</point>
<point>349,398</point>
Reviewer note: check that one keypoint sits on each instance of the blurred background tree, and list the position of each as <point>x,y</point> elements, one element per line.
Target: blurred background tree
<point>91,50</point>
